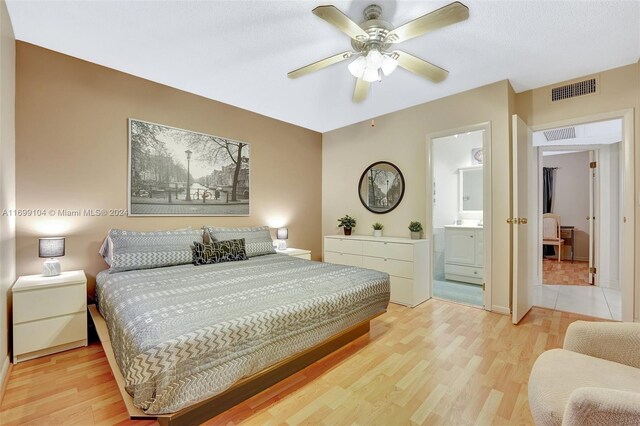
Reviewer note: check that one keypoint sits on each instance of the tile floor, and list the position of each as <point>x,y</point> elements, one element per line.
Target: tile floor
<point>469,294</point>
<point>586,300</point>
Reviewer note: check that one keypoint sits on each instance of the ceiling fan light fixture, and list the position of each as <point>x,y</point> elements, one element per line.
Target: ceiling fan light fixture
<point>374,59</point>
<point>371,74</point>
<point>357,67</point>
<point>389,64</point>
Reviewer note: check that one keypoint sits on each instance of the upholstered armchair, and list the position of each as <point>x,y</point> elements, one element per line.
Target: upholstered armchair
<point>593,380</point>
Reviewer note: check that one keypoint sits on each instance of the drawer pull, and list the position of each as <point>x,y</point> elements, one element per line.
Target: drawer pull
<point>470,236</point>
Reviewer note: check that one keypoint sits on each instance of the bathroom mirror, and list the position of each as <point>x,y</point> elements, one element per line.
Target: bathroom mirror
<point>381,187</point>
<point>471,182</point>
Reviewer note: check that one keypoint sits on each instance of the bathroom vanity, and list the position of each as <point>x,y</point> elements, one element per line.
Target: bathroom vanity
<point>464,253</point>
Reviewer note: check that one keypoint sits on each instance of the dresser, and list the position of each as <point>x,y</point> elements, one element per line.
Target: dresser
<point>405,260</point>
<point>49,314</point>
<point>464,253</point>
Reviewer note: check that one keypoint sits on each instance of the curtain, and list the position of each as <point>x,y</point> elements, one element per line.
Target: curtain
<point>548,178</point>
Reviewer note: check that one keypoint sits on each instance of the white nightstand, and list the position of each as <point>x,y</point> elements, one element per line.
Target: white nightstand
<point>302,254</point>
<point>49,314</point>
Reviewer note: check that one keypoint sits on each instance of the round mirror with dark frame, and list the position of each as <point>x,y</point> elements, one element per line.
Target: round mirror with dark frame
<point>381,187</point>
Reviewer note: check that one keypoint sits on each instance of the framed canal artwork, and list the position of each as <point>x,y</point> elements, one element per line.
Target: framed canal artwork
<point>176,172</point>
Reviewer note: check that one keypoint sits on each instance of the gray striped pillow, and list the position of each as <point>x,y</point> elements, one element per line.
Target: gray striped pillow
<point>145,250</point>
<point>257,239</point>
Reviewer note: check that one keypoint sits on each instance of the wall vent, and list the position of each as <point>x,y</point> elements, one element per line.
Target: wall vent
<point>560,134</point>
<point>579,88</point>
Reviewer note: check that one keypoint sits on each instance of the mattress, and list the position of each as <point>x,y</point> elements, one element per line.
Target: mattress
<point>185,333</point>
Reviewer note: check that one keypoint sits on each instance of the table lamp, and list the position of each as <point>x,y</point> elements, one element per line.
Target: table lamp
<point>281,235</point>
<point>50,248</point>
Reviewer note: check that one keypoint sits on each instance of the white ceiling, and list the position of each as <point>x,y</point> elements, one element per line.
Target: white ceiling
<point>596,133</point>
<point>239,52</point>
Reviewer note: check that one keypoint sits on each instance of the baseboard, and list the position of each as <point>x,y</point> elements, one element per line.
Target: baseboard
<point>5,370</point>
<point>501,310</point>
<point>612,284</point>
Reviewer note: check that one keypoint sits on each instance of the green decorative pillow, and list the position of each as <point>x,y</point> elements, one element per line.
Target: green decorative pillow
<point>218,252</point>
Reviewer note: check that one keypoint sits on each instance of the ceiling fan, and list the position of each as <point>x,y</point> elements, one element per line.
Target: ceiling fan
<point>372,39</point>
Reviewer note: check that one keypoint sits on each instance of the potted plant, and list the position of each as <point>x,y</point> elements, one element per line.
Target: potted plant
<point>377,229</point>
<point>416,230</point>
<point>348,223</point>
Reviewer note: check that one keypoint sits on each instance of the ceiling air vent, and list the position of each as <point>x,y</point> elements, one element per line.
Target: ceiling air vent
<point>560,134</point>
<point>580,88</point>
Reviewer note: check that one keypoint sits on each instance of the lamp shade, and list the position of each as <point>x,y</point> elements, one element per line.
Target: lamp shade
<point>388,64</point>
<point>356,68</point>
<point>51,247</point>
<point>282,233</point>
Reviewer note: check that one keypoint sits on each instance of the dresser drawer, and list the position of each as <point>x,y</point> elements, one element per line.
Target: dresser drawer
<point>343,245</point>
<point>388,250</point>
<point>398,268</point>
<point>30,305</point>
<point>46,333</point>
<point>402,291</point>
<point>342,258</point>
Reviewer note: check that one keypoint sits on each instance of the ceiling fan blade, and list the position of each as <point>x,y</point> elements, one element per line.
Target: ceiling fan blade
<point>335,17</point>
<point>323,63</point>
<point>361,91</point>
<point>447,15</point>
<point>421,67</point>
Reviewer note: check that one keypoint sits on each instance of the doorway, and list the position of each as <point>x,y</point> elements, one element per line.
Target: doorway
<point>581,179</point>
<point>602,238</point>
<point>458,211</point>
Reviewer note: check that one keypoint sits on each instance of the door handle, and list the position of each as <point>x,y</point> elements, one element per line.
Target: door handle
<point>517,221</point>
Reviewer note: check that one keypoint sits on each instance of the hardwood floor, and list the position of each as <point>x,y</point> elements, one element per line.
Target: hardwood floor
<point>440,363</point>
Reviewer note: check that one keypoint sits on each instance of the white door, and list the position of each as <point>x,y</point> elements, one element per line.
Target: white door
<point>524,219</point>
<point>593,229</point>
<point>479,248</point>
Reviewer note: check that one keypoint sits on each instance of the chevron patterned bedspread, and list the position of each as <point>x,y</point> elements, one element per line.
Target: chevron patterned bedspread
<point>184,333</point>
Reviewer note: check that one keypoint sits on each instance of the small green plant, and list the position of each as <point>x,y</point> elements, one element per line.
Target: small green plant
<point>415,227</point>
<point>346,222</point>
<point>377,226</point>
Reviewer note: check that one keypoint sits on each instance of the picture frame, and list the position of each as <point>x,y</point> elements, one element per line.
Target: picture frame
<point>178,172</point>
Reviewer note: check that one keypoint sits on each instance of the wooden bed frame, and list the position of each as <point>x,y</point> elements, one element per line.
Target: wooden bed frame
<point>241,391</point>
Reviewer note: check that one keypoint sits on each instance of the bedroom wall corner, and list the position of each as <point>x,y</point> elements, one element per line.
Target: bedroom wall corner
<point>7,185</point>
<point>72,153</point>
<point>401,138</point>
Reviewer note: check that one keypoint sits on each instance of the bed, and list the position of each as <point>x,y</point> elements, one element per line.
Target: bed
<point>185,334</point>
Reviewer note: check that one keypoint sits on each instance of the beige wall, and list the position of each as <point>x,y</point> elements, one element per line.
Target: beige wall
<point>401,138</point>
<point>71,153</point>
<point>7,181</point>
<point>619,90</point>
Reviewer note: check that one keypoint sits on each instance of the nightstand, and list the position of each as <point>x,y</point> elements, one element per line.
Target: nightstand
<point>49,314</point>
<point>302,254</point>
